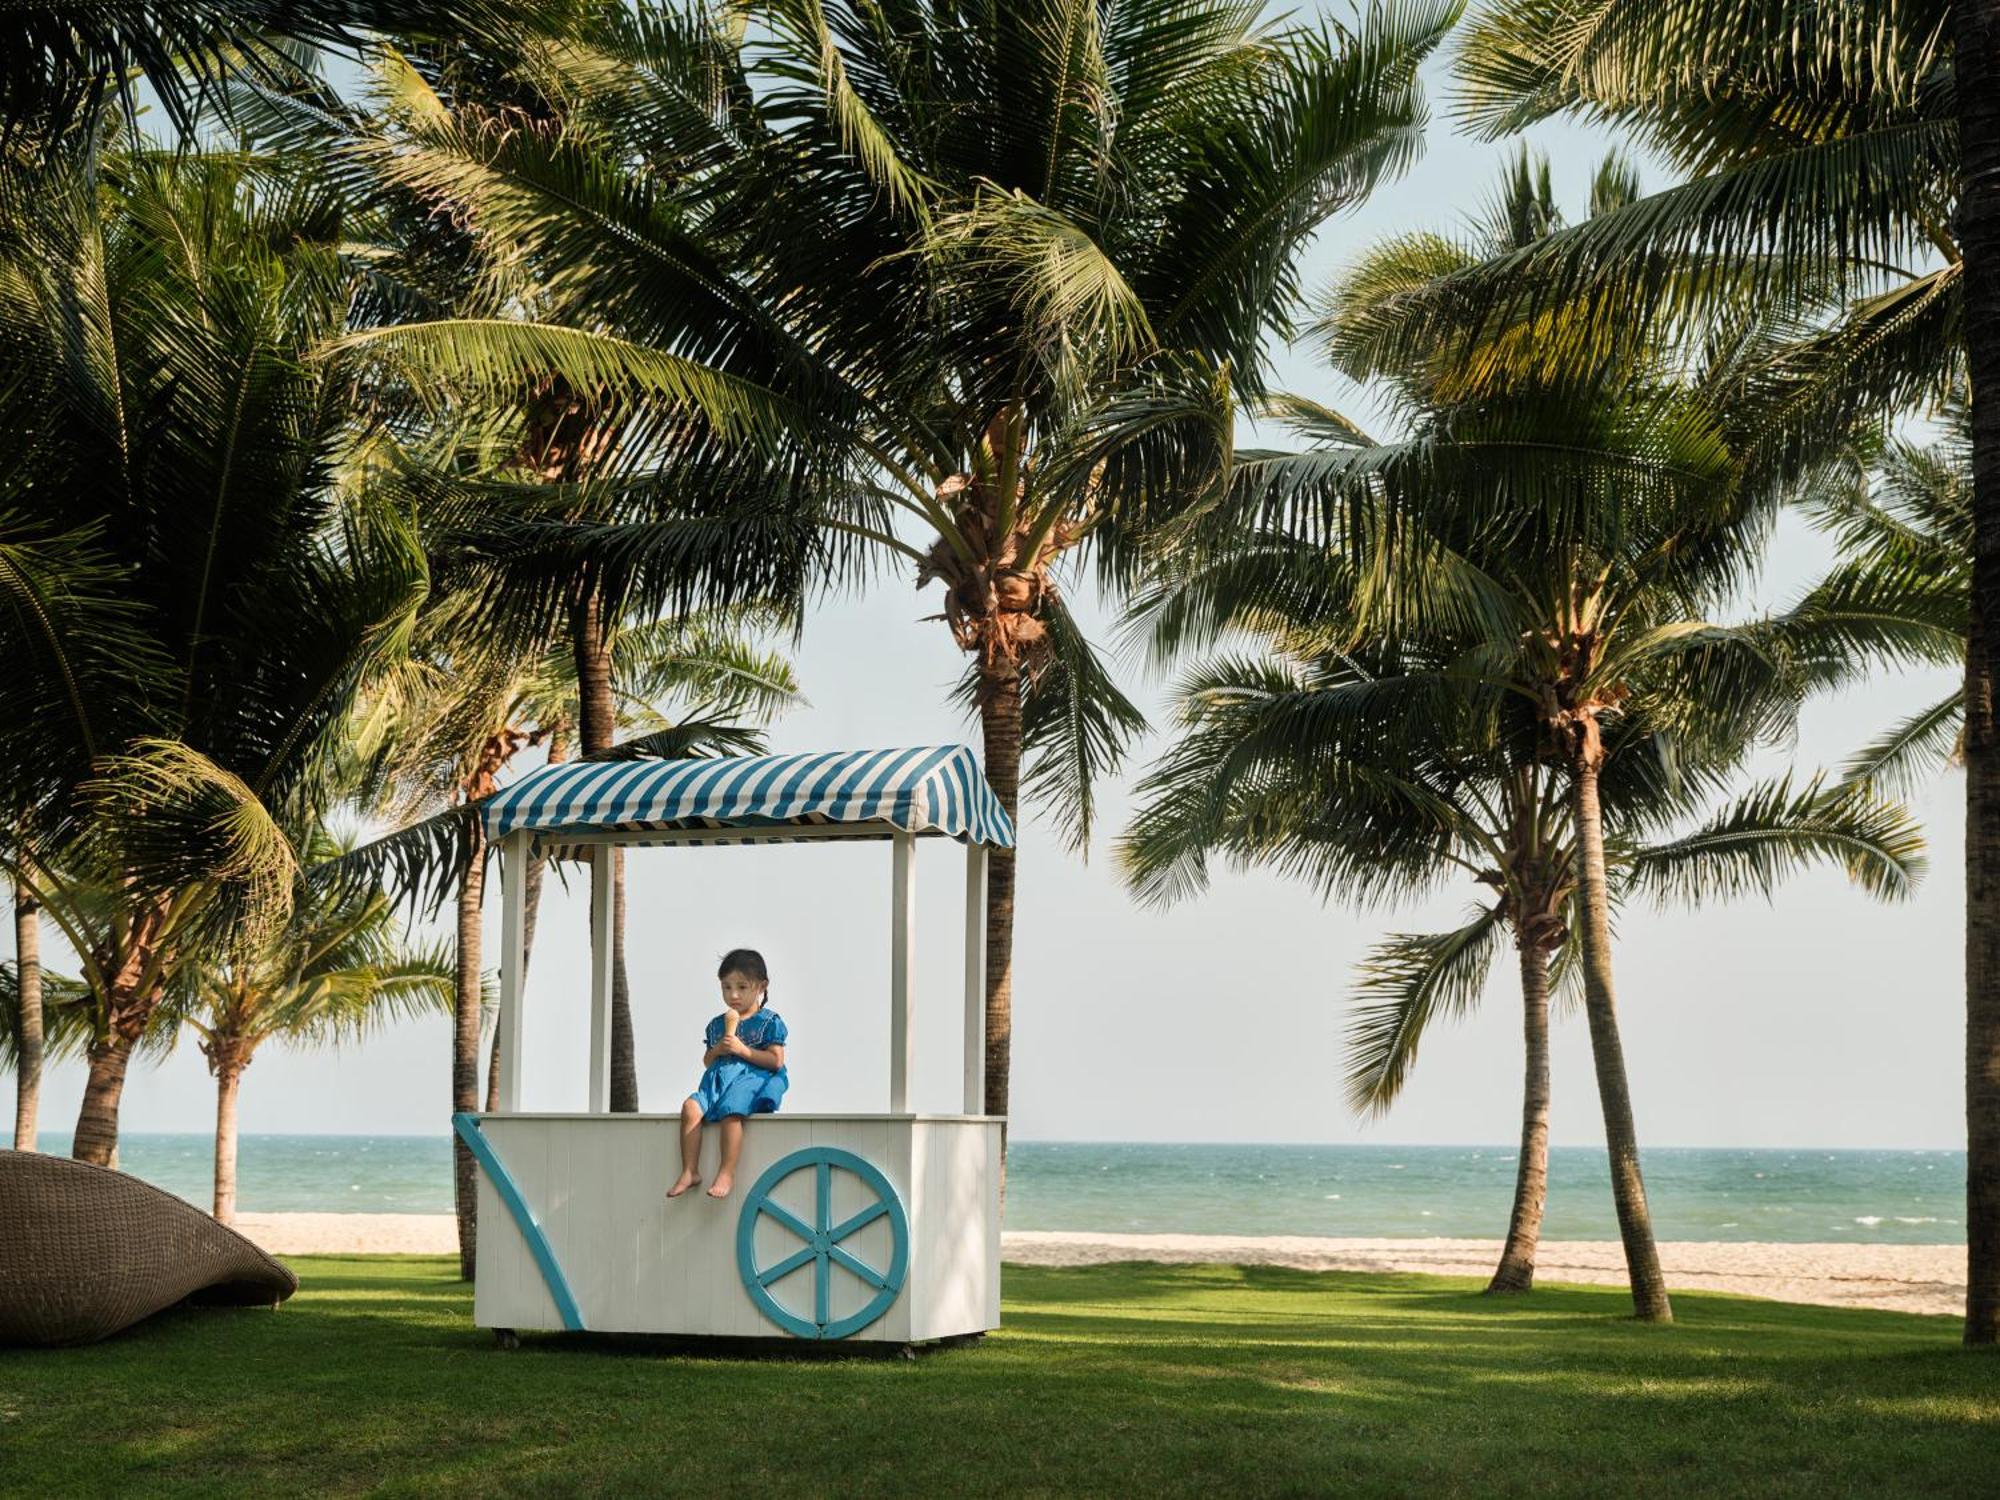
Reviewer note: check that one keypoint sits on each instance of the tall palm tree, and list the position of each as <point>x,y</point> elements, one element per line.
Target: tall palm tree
<point>192,598</point>
<point>1589,514</point>
<point>444,726</point>
<point>579,457</point>
<point>1009,264</point>
<point>337,969</point>
<point>1383,771</point>
<point>60,62</point>
<point>41,1022</point>
<point>1842,162</point>
<point>1976,223</point>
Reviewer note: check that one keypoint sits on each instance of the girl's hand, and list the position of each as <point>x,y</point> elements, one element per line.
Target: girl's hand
<point>732,1046</point>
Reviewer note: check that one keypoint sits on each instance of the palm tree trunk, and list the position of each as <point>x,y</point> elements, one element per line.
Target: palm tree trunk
<point>1000,725</point>
<point>597,729</point>
<point>28,1041</point>
<point>228,1080</point>
<point>97,1120</point>
<point>1516,1272</point>
<point>1976,61</point>
<point>466,1016</point>
<point>133,990</point>
<point>1621,1138</point>
<point>493,1074</point>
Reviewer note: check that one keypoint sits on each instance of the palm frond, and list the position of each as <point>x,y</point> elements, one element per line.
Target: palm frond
<point>1076,726</point>
<point>1775,830</point>
<point>1912,752</point>
<point>1405,983</point>
<point>68,1026</point>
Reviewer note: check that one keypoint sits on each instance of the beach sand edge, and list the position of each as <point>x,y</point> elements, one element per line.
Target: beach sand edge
<point>1895,1278</point>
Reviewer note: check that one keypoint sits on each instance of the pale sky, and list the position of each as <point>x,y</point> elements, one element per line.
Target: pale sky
<point>1821,1019</point>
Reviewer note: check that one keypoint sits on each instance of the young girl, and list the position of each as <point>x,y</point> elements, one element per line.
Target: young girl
<point>746,1075</point>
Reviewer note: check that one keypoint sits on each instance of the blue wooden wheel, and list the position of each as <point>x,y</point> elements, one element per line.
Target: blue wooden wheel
<point>821,1244</point>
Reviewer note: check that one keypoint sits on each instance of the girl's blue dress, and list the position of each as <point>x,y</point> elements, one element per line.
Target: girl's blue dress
<point>735,1087</point>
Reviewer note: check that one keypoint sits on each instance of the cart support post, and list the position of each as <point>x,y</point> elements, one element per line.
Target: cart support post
<point>902,964</point>
<point>602,858</point>
<point>513,934</point>
<point>975,979</point>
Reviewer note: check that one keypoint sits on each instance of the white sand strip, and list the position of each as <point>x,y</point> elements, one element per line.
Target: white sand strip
<point>352,1234</point>
<point>1902,1278</point>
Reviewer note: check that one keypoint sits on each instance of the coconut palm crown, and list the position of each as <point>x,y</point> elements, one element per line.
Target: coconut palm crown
<point>1010,265</point>
<point>194,592</point>
<point>1568,541</point>
<point>338,969</point>
<point>1841,162</point>
<point>1379,772</point>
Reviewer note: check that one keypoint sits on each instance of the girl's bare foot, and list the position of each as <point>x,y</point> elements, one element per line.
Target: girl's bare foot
<point>724,1181</point>
<point>682,1183</point>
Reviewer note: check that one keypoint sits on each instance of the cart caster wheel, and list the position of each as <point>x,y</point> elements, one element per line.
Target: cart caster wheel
<point>506,1338</point>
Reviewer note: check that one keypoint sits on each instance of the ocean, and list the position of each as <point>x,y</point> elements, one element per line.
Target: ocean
<point>1894,1197</point>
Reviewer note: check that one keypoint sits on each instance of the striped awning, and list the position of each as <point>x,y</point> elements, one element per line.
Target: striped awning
<point>759,798</point>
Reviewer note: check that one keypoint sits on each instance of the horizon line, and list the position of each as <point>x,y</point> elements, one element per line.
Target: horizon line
<point>1508,1148</point>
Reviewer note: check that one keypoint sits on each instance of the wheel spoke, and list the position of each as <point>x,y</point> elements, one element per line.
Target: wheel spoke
<point>786,1266</point>
<point>787,1218</point>
<point>821,1237</point>
<point>866,1273</point>
<point>867,1215</point>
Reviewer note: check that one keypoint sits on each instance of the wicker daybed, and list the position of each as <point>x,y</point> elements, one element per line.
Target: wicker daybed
<point>85,1252</point>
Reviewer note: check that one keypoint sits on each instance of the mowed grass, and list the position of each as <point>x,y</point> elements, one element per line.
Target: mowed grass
<point>1125,1380</point>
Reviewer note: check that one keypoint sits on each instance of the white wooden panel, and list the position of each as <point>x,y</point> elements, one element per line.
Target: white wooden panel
<point>958,1244</point>
<point>922,1252</point>
<point>525,1303</point>
<point>640,1264</point>
<point>509,1292</point>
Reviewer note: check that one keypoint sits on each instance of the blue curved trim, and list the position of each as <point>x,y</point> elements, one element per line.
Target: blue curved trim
<point>822,1243</point>
<point>482,1151</point>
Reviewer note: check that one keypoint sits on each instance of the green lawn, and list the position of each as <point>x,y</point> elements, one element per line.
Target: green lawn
<point>1127,1380</point>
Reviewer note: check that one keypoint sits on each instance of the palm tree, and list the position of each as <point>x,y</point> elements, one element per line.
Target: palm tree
<point>1382,772</point>
<point>192,597</point>
<point>1842,162</point>
<point>444,726</point>
<point>1588,514</point>
<point>42,1020</point>
<point>697,682</point>
<point>503,532</point>
<point>1007,265</point>
<point>60,62</point>
<point>338,968</point>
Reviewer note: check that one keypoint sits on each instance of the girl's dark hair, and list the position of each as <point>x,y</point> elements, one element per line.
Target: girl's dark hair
<point>745,961</point>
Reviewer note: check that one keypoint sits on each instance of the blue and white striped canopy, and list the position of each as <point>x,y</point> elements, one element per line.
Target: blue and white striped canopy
<point>759,798</point>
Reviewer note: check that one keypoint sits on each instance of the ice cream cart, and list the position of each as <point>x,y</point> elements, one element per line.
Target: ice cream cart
<point>867,1227</point>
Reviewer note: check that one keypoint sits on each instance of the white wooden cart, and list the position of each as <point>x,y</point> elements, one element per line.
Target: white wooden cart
<point>869,1227</point>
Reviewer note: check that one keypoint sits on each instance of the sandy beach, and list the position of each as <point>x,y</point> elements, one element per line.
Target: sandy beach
<point>1901,1278</point>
